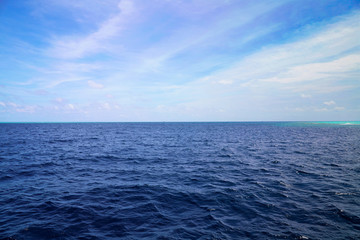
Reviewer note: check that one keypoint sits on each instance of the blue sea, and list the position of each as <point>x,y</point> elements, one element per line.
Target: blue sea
<point>256,180</point>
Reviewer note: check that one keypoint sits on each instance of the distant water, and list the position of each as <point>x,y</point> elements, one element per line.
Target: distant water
<point>180,181</point>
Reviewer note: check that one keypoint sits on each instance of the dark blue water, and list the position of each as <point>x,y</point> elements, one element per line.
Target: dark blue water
<point>179,181</point>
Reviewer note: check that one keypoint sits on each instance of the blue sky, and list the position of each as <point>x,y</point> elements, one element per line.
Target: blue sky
<point>179,60</point>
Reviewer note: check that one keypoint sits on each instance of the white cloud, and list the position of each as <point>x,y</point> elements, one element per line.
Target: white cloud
<point>303,95</point>
<point>299,109</point>
<point>71,106</point>
<point>320,86</point>
<point>106,106</point>
<point>26,109</point>
<point>12,104</point>
<point>95,85</point>
<point>59,100</point>
<point>316,109</point>
<point>226,82</point>
<point>321,109</point>
<point>329,103</point>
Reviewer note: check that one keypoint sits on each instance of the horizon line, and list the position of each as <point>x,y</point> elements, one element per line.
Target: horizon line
<point>255,121</point>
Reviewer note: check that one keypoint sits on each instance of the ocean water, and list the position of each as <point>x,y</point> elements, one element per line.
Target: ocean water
<point>180,180</point>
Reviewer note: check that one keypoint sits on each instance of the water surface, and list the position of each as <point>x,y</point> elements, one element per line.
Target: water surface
<point>180,180</point>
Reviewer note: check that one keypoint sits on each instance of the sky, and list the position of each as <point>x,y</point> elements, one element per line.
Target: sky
<point>179,60</point>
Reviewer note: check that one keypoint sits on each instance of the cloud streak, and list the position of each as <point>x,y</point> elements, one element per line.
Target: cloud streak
<point>74,47</point>
<point>95,85</point>
<point>299,61</point>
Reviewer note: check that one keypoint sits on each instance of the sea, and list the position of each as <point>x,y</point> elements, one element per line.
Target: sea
<point>230,180</point>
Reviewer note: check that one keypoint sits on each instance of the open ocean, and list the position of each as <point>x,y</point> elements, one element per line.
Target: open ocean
<point>261,180</point>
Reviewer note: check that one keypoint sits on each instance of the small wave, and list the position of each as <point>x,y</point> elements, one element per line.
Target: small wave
<point>299,152</point>
<point>93,138</point>
<point>302,172</point>
<point>348,217</point>
<point>344,193</point>
<point>107,157</point>
<point>5,177</point>
<point>54,141</point>
<point>44,165</point>
<point>287,235</point>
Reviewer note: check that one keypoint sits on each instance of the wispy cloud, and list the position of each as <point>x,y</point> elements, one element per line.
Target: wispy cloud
<point>329,103</point>
<point>61,80</point>
<point>320,70</point>
<point>325,55</point>
<point>204,35</point>
<point>95,85</point>
<point>225,82</point>
<point>21,108</point>
<point>303,95</point>
<point>72,47</point>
